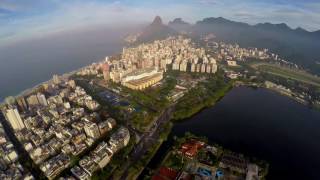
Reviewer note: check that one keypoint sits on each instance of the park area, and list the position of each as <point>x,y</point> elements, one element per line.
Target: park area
<point>289,73</point>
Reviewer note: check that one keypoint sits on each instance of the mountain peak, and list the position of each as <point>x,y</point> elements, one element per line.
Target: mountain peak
<point>317,33</point>
<point>177,21</point>
<point>269,26</point>
<point>283,26</point>
<point>157,21</point>
<point>218,20</point>
<point>156,30</point>
<point>300,30</point>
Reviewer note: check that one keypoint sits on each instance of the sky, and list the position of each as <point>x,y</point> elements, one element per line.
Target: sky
<point>23,19</point>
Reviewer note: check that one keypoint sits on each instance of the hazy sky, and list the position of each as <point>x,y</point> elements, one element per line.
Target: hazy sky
<point>20,19</point>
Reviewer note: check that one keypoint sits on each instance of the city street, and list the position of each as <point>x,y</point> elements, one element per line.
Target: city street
<point>147,140</point>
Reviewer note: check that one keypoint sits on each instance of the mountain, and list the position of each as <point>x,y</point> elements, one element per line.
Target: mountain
<point>316,33</point>
<point>179,25</point>
<point>298,45</point>
<point>269,26</point>
<point>178,21</point>
<point>156,30</point>
<point>301,30</point>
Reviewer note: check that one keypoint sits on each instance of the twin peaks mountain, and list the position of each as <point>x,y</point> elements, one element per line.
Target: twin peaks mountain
<point>156,30</point>
<point>297,45</point>
<point>179,25</point>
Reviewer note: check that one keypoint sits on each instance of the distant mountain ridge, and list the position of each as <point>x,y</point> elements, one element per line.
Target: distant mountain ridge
<point>265,26</point>
<point>297,45</point>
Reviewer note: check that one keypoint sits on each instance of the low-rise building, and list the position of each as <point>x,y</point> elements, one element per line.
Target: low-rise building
<point>79,173</point>
<point>141,79</point>
<point>120,138</point>
<point>232,63</point>
<point>92,130</point>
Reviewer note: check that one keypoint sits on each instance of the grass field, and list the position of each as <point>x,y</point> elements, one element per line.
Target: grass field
<point>285,72</point>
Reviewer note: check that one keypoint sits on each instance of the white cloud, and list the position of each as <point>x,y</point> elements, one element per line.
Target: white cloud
<point>80,14</point>
<point>275,13</point>
<point>9,6</point>
<point>208,2</point>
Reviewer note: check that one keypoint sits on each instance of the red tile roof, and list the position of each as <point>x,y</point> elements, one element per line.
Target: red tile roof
<point>191,148</point>
<point>165,173</point>
<point>158,177</point>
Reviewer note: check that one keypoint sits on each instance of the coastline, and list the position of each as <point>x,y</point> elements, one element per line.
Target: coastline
<point>233,85</point>
<point>292,96</point>
<point>31,89</point>
<point>205,105</point>
<point>199,132</point>
<point>212,100</point>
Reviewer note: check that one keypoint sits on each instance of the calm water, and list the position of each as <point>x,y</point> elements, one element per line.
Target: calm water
<point>261,123</point>
<point>29,63</point>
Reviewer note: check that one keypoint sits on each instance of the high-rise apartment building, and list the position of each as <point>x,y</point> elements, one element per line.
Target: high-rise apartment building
<point>42,99</point>
<point>13,117</point>
<point>56,79</point>
<point>22,104</point>
<point>33,100</point>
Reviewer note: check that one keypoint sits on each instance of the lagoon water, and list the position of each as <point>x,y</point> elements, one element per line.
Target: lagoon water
<point>263,124</point>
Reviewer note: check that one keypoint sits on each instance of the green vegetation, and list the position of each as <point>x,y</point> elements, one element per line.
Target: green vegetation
<point>142,120</point>
<point>76,158</point>
<point>153,98</point>
<point>179,162</point>
<point>93,90</point>
<point>117,160</point>
<point>150,102</point>
<point>202,96</point>
<point>161,92</point>
<point>208,158</point>
<point>178,141</point>
<point>165,131</point>
<point>144,99</point>
<point>138,167</point>
<point>173,160</point>
<point>285,72</point>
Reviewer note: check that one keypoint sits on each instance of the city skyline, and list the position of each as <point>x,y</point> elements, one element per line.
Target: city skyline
<point>31,18</point>
<point>209,89</point>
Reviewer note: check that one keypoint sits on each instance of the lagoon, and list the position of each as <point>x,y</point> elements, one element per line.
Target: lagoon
<point>260,123</point>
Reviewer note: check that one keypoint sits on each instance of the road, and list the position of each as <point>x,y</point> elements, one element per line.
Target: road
<point>147,140</point>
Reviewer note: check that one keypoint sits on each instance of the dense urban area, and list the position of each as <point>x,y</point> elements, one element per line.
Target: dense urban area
<point>108,119</point>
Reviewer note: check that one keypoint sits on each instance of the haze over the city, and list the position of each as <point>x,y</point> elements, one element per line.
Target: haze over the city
<point>161,90</point>
<point>36,18</point>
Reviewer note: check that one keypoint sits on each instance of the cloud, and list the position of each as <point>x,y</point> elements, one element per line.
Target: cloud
<point>208,2</point>
<point>29,18</point>
<point>8,6</point>
<point>76,15</point>
<point>244,15</point>
<point>288,12</point>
